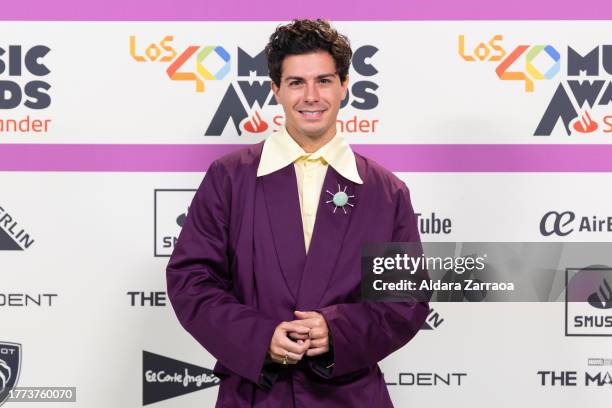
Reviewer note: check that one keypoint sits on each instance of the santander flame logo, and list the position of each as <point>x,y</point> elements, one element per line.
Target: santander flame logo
<point>254,124</point>
<point>584,124</point>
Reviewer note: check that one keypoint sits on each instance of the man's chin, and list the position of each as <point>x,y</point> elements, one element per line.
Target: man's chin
<point>315,134</point>
<point>314,130</point>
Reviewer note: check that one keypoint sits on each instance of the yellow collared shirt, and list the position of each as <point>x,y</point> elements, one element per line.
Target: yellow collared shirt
<point>280,149</point>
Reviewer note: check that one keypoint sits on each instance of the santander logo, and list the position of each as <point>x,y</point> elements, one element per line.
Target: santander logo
<point>584,123</point>
<point>254,124</point>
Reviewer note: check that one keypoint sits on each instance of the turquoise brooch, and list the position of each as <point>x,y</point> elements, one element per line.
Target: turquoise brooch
<point>339,199</point>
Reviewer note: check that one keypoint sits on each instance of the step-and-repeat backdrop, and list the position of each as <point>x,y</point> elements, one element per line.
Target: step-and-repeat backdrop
<point>501,130</point>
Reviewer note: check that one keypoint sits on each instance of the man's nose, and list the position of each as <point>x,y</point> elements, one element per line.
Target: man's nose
<point>311,92</point>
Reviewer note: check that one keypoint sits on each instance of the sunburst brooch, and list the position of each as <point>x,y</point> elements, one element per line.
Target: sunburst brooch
<point>340,199</point>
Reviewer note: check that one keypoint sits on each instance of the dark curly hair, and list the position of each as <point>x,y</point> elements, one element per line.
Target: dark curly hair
<point>303,37</point>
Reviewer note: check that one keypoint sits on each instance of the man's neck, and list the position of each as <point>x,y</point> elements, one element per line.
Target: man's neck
<point>311,145</point>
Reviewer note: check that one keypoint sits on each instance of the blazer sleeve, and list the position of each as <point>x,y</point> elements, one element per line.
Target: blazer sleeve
<point>365,333</point>
<point>200,285</point>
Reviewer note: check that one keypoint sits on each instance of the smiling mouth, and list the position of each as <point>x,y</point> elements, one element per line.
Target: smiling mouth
<point>311,114</point>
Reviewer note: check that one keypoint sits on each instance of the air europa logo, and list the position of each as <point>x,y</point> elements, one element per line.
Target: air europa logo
<point>563,223</point>
<point>193,63</point>
<point>583,94</point>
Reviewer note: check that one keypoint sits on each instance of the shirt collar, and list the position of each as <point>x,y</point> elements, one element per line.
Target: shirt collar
<point>280,150</point>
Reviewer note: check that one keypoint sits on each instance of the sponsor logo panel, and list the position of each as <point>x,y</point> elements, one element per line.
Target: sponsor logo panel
<point>566,222</point>
<point>580,104</point>
<point>426,379</point>
<point>433,224</point>
<point>588,301</point>
<point>13,237</point>
<point>147,299</point>
<point>15,299</point>
<point>24,84</point>
<point>248,106</point>
<point>10,367</point>
<point>598,374</point>
<point>170,208</point>
<point>164,378</point>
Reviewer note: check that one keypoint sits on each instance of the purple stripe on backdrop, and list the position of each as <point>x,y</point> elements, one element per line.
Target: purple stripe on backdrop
<point>279,10</point>
<point>398,158</point>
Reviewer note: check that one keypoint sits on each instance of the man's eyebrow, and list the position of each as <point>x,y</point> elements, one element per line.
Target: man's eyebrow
<point>297,78</point>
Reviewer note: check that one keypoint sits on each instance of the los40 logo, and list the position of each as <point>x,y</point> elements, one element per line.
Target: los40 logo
<point>529,72</point>
<point>204,58</point>
<point>584,92</point>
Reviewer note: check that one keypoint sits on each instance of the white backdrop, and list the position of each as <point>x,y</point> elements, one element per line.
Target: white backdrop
<point>96,234</point>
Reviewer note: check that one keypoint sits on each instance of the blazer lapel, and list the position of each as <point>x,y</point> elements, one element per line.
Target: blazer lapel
<point>329,233</point>
<point>283,204</point>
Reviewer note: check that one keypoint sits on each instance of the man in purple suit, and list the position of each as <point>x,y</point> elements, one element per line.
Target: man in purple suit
<point>266,272</point>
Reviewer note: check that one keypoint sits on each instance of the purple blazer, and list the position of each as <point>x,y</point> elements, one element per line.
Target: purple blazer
<point>240,268</point>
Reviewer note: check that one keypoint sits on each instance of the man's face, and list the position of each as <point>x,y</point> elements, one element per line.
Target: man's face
<point>311,93</point>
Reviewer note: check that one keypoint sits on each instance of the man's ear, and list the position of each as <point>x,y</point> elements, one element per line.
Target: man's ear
<point>275,90</point>
<point>345,86</point>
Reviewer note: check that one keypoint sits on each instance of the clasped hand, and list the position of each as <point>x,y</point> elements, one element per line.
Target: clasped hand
<point>307,335</point>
